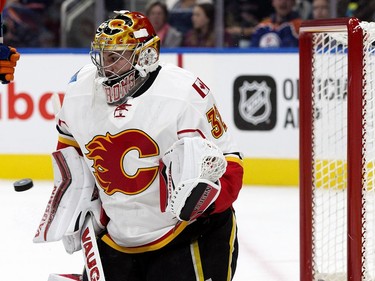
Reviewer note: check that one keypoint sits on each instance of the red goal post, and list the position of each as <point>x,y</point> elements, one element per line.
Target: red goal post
<point>337,150</point>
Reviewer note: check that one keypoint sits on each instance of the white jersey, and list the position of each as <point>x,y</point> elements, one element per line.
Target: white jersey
<point>123,145</point>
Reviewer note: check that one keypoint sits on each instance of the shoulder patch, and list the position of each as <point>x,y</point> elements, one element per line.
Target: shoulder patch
<point>201,88</point>
<point>74,77</point>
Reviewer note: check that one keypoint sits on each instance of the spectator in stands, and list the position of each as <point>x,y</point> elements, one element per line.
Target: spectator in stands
<point>203,32</point>
<point>180,15</point>
<point>365,10</point>
<point>304,8</point>
<point>342,6</point>
<point>280,29</point>
<point>24,24</point>
<point>241,17</point>
<point>362,9</point>
<point>320,9</point>
<point>157,13</point>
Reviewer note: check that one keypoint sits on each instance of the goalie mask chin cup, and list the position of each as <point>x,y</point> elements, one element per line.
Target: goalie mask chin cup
<point>119,89</point>
<point>125,49</point>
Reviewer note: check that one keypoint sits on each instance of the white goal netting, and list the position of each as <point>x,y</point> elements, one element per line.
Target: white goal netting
<point>330,156</point>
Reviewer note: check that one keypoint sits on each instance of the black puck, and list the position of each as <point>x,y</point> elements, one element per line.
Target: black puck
<point>23,185</point>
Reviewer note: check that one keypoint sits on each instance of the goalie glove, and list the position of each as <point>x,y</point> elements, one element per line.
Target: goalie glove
<point>189,181</point>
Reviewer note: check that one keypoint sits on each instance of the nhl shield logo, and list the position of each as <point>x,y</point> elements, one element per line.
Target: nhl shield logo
<point>255,102</point>
<point>253,97</point>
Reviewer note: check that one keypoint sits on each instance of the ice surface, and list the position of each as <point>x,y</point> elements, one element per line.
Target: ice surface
<point>268,231</point>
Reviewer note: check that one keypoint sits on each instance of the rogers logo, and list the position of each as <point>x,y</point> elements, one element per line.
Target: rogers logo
<point>22,105</point>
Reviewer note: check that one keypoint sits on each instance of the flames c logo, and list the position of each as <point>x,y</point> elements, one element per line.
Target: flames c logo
<point>108,153</point>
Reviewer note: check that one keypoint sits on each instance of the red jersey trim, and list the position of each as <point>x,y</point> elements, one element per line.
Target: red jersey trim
<point>67,142</point>
<point>191,131</point>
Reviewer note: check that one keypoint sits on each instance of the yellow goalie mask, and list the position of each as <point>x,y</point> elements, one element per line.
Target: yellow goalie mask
<point>125,49</point>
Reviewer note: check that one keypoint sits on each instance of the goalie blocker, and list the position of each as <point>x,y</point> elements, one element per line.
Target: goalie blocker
<point>189,183</point>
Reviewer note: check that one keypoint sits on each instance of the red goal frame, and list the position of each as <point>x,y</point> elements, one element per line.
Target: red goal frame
<point>354,145</point>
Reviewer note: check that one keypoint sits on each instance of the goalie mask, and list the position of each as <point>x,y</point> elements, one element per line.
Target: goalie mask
<point>125,49</point>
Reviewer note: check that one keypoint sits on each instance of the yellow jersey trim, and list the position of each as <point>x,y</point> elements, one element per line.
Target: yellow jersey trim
<point>68,141</point>
<point>197,262</point>
<point>149,247</point>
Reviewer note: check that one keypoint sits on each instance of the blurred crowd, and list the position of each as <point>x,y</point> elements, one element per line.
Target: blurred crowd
<point>184,23</point>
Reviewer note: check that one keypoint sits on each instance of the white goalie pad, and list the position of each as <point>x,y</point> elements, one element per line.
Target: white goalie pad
<point>74,195</point>
<point>190,173</point>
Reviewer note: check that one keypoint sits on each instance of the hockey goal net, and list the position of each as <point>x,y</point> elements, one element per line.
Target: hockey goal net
<point>337,152</point>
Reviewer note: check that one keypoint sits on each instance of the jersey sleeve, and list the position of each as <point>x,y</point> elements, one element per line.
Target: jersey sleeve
<point>201,117</point>
<point>65,137</point>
